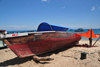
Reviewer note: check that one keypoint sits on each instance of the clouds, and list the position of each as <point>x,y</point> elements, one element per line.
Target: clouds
<point>44,0</point>
<point>13,27</point>
<point>99,7</point>
<point>95,7</point>
<point>79,26</point>
<point>83,26</point>
<point>63,7</point>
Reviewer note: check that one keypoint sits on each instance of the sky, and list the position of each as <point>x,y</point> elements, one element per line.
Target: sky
<point>28,14</point>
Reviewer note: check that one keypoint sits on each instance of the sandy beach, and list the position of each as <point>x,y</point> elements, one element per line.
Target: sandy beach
<point>66,57</point>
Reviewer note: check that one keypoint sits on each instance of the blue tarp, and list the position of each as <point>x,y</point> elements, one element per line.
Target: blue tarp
<point>50,27</point>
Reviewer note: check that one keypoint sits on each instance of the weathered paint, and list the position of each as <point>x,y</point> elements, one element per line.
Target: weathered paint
<point>35,44</point>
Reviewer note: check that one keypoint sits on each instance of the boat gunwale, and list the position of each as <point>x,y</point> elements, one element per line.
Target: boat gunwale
<point>24,34</point>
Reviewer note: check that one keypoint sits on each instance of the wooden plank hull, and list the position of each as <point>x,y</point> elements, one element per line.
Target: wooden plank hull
<point>35,44</point>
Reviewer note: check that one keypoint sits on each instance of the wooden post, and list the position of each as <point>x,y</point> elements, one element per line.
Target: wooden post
<point>90,38</point>
<point>96,41</point>
<point>6,42</point>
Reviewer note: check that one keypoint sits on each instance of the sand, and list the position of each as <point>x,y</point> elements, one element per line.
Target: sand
<point>66,57</point>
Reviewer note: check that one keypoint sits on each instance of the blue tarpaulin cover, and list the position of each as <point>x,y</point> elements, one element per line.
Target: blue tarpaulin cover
<point>50,27</point>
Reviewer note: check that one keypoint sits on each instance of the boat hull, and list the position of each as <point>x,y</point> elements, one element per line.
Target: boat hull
<point>35,44</point>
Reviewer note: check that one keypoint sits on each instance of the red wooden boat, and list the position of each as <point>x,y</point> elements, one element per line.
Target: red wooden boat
<point>34,43</point>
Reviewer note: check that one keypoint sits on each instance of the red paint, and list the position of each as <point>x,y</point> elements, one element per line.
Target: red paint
<point>14,34</point>
<point>43,46</point>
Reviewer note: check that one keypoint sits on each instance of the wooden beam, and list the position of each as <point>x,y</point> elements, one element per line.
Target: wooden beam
<point>96,41</point>
<point>90,38</point>
<point>6,42</point>
<point>36,58</point>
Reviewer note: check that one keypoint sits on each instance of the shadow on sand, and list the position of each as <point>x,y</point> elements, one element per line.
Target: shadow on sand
<point>14,61</point>
<point>3,47</point>
<point>17,60</point>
